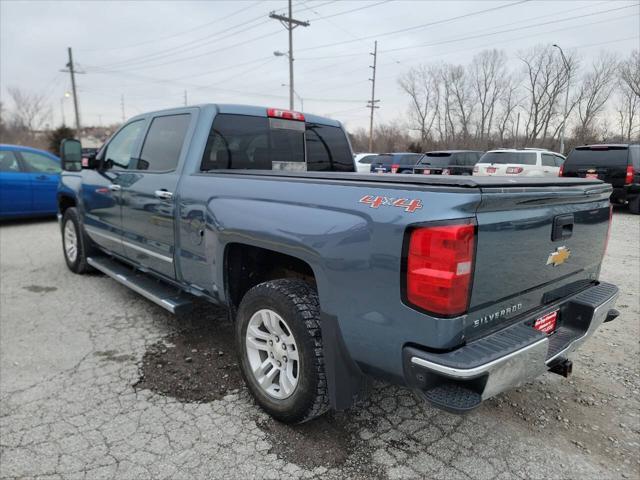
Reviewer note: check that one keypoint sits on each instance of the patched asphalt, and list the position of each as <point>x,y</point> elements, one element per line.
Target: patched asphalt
<point>98,383</point>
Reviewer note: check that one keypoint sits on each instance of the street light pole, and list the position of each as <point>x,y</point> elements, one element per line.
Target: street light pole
<point>566,98</point>
<point>298,97</point>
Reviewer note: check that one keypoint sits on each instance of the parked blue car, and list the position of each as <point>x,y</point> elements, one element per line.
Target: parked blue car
<point>28,182</point>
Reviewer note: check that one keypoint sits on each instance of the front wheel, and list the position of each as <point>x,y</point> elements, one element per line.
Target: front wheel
<point>75,245</point>
<point>280,347</point>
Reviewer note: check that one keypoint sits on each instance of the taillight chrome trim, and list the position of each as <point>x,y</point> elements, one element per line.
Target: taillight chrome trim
<point>405,258</point>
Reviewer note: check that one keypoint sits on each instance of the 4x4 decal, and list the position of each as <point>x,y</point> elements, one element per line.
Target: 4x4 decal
<point>409,205</point>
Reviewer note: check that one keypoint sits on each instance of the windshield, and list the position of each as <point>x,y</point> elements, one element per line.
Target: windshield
<point>603,157</point>
<point>520,158</point>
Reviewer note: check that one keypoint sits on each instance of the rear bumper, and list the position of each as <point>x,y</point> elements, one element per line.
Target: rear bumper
<point>459,380</point>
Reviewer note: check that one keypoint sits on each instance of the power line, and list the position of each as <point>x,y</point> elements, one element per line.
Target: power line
<point>177,34</point>
<point>416,27</point>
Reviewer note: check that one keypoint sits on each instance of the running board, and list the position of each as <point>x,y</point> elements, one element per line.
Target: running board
<point>167,297</point>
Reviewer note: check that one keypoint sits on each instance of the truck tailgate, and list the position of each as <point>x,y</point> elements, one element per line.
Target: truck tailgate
<point>534,246</point>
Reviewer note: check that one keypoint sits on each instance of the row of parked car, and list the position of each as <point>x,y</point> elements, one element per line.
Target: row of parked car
<point>617,164</point>
<point>524,162</point>
<point>29,177</point>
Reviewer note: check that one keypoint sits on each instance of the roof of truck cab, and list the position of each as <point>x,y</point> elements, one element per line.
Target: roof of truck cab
<point>253,110</point>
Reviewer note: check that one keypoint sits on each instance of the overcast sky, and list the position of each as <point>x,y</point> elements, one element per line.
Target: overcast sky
<point>222,51</point>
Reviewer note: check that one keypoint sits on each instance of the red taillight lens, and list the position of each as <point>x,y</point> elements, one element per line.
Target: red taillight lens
<point>285,114</point>
<point>394,168</point>
<point>561,170</point>
<point>439,267</point>
<point>628,179</point>
<point>514,170</point>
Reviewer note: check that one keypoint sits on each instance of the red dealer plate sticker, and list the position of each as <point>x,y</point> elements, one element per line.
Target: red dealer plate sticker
<point>491,169</point>
<point>546,323</point>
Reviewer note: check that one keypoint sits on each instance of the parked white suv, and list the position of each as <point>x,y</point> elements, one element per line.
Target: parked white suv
<point>530,162</point>
<point>362,161</point>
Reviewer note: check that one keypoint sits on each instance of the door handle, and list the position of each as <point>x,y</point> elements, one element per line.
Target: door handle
<point>114,187</point>
<point>41,177</point>
<point>164,194</point>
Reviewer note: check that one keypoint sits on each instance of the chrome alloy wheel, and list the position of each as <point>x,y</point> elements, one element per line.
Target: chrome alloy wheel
<point>273,354</point>
<point>70,241</point>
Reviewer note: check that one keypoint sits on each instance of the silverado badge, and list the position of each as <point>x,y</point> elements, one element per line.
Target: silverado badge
<point>559,256</point>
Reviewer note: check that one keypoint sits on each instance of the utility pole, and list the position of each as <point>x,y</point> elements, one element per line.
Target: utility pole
<point>289,23</point>
<point>372,103</point>
<point>71,69</point>
<point>515,139</point>
<point>566,98</point>
<point>185,98</point>
<point>122,107</point>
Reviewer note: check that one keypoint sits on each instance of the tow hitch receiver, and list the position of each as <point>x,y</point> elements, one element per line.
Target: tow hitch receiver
<point>563,368</point>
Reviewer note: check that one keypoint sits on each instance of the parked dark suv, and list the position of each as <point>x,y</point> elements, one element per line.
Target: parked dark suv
<point>395,162</point>
<point>617,164</point>
<point>448,162</point>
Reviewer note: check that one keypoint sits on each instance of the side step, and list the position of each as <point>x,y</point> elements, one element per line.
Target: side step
<point>452,397</point>
<point>167,297</point>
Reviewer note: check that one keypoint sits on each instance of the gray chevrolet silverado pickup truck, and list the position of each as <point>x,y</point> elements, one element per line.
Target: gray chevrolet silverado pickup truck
<point>458,287</point>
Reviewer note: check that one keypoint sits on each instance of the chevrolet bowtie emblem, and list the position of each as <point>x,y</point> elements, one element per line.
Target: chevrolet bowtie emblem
<point>559,256</point>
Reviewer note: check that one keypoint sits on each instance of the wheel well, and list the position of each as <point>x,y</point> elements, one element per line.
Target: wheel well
<point>65,202</point>
<point>247,266</point>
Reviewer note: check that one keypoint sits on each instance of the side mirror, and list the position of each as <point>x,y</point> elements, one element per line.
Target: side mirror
<point>71,155</point>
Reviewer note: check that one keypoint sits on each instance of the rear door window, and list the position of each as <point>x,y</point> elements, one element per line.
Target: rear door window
<point>8,161</point>
<point>36,162</point>
<point>163,143</point>
<point>548,160</point>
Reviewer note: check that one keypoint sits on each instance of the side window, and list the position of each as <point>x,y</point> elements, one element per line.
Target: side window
<point>163,143</point>
<point>548,160</point>
<point>8,161</point>
<point>634,152</point>
<point>36,162</point>
<point>368,159</point>
<point>120,149</point>
<point>327,149</point>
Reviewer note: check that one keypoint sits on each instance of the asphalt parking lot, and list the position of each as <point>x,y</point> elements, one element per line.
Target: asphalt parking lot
<point>97,382</point>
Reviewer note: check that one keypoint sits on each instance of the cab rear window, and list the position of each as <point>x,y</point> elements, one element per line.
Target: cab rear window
<point>260,143</point>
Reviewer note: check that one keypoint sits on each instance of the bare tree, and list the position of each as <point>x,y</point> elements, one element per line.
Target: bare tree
<point>463,102</point>
<point>546,80</point>
<point>508,103</point>
<point>30,110</point>
<point>630,72</point>
<point>596,87</point>
<point>488,83</point>
<point>421,85</point>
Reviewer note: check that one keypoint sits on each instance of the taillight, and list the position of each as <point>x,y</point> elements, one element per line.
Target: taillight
<point>285,114</point>
<point>439,267</point>
<point>628,179</point>
<point>427,171</point>
<point>514,170</point>
<point>561,170</point>
<point>394,168</point>
<point>606,242</point>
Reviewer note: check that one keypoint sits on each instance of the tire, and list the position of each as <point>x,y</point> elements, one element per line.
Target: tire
<point>72,231</point>
<point>634,205</point>
<point>279,311</point>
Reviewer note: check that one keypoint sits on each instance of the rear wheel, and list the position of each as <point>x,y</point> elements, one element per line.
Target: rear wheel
<point>634,205</point>
<point>75,244</point>
<point>280,347</point>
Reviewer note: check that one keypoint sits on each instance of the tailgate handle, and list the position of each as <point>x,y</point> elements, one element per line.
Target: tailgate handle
<point>562,227</point>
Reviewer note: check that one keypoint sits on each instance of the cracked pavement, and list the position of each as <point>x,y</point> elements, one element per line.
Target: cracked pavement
<point>71,350</point>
